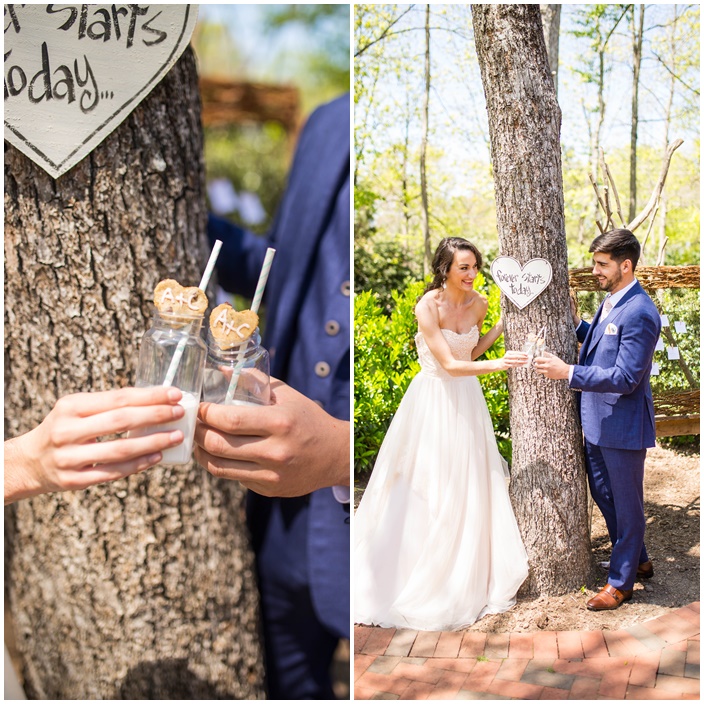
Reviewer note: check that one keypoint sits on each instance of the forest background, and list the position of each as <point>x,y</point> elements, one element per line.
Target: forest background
<point>627,83</point>
<point>302,48</point>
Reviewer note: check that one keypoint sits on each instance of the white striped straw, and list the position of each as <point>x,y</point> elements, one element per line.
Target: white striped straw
<point>178,353</point>
<point>211,265</point>
<point>263,276</point>
<point>175,360</point>
<point>256,302</point>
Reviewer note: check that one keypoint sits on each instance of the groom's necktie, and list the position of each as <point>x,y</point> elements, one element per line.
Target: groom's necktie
<point>608,305</point>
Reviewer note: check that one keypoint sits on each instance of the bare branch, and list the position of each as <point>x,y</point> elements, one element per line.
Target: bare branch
<point>661,254</point>
<point>675,76</point>
<point>650,229</point>
<point>655,197</point>
<point>386,33</point>
<point>615,192</point>
<point>602,164</point>
<point>599,198</point>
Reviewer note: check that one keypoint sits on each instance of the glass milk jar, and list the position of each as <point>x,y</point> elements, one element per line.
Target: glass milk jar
<point>247,363</point>
<point>173,348</point>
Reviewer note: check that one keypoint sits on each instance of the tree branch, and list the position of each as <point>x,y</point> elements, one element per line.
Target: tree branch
<point>655,197</point>
<point>674,75</point>
<point>386,33</point>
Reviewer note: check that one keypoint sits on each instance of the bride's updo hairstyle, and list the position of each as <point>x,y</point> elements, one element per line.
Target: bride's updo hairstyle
<point>445,255</point>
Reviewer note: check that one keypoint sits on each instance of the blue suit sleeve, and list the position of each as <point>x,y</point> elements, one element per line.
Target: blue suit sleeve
<point>582,330</point>
<point>241,256</point>
<point>633,361</point>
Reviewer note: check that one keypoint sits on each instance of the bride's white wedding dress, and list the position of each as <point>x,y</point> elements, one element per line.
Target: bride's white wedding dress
<point>436,540</point>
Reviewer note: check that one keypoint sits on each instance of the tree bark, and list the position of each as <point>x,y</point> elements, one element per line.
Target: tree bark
<point>548,486</point>
<point>550,16</point>
<point>427,257</point>
<point>143,588</point>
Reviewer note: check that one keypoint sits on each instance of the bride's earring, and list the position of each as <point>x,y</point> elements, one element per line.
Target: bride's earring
<point>444,285</point>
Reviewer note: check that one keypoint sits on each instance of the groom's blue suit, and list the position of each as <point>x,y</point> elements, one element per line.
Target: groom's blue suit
<point>618,421</point>
<point>302,544</point>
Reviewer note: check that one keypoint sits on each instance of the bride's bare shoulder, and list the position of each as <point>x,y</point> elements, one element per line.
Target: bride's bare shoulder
<point>427,302</point>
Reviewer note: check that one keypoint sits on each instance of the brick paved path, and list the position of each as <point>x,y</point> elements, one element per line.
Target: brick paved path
<point>658,659</point>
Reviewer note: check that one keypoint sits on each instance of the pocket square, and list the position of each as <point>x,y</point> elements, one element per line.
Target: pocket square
<point>611,329</point>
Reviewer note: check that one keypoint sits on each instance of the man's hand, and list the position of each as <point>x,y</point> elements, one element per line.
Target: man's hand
<point>289,448</point>
<point>551,366</point>
<point>573,309</point>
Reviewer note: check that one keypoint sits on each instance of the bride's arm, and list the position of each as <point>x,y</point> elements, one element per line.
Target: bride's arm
<point>429,326</point>
<point>486,341</point>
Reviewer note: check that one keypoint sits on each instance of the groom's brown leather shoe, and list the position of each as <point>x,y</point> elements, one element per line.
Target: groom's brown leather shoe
<point>609,598</point>
<point>645,570</point>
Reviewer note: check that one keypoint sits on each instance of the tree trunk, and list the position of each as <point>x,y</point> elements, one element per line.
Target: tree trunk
<point>548,485</point>
<point>143,588</point>
<point>672,45</point>
<point>550,15</point>
<point>405,197</point>
<point>427,257</point>
<point>637,55</point>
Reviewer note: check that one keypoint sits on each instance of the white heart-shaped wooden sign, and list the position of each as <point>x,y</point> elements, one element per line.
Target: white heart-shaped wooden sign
<point>521,284</point>
<point>73,73</point>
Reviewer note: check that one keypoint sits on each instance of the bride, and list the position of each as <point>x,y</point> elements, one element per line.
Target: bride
<point>436,541</point>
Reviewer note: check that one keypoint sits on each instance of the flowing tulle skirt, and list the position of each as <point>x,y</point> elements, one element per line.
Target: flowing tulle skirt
<point>436,540</point>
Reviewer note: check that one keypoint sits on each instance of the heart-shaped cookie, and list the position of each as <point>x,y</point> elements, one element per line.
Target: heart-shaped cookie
<point>230,327</point>
<point>170,298</point>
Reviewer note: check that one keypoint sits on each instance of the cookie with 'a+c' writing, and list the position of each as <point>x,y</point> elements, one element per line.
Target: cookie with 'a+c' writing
<point>170,298</point>
<point>230,327</point>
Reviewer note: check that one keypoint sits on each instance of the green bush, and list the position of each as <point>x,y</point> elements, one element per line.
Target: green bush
<point>679,304</point>
<point>385,267</point>
<point>495,386</point>
<point>386,360</point>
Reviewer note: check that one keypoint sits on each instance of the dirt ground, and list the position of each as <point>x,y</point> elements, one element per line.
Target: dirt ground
<point>672,498</point>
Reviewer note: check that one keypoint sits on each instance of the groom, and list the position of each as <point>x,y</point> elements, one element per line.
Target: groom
<point>616,406</point>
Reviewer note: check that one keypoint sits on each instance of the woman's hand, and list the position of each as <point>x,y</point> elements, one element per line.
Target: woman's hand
<point>512,360</point>
<point>62,452</point>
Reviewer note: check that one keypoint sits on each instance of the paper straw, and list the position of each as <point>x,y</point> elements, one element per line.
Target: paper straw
<point>211,265</point>
<point>175,360</point>
<point>178,353</point>
<point>263,276</point>
<point>256,302</point>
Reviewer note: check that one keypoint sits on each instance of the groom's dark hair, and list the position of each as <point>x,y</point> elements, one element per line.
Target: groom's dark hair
<point>619,244</point>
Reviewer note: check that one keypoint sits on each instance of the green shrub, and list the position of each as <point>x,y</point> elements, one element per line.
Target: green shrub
<point>495,386</point>
<point>384,266</point>
<point>385,361</point>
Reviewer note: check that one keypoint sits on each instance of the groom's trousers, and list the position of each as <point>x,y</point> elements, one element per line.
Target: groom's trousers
<point>616,484</point>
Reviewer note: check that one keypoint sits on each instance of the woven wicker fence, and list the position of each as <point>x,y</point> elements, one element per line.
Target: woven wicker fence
<point>649,277</point>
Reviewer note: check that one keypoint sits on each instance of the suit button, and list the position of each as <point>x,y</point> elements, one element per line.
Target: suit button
<point>322,369</point>
<point>345,288</point>
<point>332,327</point>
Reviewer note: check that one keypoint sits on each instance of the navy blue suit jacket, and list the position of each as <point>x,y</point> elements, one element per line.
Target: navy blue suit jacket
<point>614,373</point>
<point>318,180</point>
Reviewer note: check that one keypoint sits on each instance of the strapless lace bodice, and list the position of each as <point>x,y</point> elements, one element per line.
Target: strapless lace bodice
<point>461,346</point>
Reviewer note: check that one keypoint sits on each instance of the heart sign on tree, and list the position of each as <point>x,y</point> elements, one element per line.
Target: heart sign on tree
<point>521,284</point>
<point>73,73</point>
